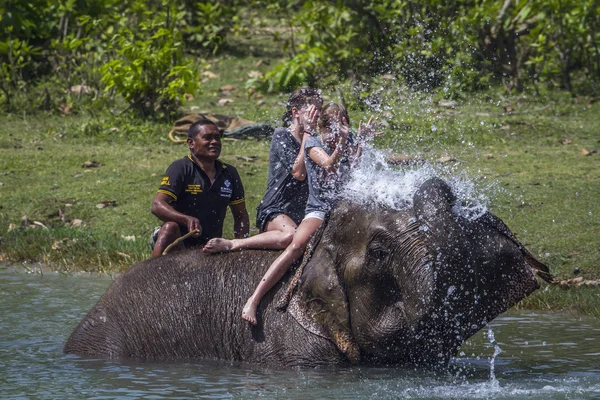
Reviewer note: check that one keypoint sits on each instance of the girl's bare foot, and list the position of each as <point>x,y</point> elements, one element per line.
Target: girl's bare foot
<point>218,245</point>
<point>249,311</point>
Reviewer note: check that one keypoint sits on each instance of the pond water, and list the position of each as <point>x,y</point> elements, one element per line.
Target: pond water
<point>534,356</point>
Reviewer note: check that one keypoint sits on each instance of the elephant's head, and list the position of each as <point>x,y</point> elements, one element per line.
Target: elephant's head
<point>391,286</point>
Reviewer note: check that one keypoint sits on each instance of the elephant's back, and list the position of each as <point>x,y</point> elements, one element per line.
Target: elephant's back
<point>188,305</point>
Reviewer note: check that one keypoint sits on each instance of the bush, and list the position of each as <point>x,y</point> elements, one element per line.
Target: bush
<point>149,69</point>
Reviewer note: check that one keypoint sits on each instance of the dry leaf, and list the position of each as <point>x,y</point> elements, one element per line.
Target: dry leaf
<point>262,62</point>
<point>565,141</point>
<point>38,223</point>
<point>509,108</point>
<point>91,164</point>
<point>65,109</point>
<point>586,152</point>
<point>224,102</point>
<point>188,96</point>
<point>124,255</point>
<point>247,158</point>
<point>128,238</point>
<point>76,222</point>
<point>11,227</point>
<point>209,75</point>
<point>227,88</point>
<point>107,203</point>
<point>63,217</point>
<point>81,89</point>
<point>446,159</point>
<point>489,156</point>
<point>260,102</point>
<point>255,75</point>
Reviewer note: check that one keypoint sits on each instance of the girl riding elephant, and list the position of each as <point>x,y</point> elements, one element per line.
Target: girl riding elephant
<point>282,207</point>
<point>324,157</point>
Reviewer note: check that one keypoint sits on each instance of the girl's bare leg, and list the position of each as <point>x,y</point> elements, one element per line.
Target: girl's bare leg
<point>279,234</point>
<point>280,266</point>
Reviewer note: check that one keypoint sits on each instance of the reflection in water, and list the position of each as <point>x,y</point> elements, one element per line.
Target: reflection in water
<point>544,356</point>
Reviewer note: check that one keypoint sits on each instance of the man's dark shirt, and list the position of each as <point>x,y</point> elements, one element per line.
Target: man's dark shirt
<point>284,194</point>
<point>194,195</point>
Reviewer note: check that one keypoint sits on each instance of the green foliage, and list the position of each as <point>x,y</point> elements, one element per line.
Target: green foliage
<point>149,70</point>
<point>461,46</point>
<point>206,23</point>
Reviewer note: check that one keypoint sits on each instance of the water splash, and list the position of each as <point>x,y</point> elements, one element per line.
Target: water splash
<point>375,182</point>
<point>497,350</point>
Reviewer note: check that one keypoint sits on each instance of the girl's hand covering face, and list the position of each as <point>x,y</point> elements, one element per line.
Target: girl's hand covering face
<point>310,119</point>
<point>367,131</point>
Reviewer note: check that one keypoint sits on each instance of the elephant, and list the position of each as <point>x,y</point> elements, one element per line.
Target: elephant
<point>377,286</point>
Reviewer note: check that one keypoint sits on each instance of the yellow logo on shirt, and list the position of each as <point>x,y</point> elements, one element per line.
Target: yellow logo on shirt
<point>194,188</point>
<point>165,181</point>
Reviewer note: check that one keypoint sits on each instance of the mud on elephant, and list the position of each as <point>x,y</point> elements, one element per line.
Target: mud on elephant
<point>377,286</point>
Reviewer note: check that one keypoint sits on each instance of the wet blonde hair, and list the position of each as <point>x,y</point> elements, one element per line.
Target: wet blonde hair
<point>329,115</point>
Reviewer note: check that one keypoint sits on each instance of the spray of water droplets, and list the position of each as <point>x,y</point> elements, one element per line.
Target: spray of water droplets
<point>374,182</point>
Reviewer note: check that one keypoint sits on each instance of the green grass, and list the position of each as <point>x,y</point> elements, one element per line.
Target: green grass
<point>548,193</point>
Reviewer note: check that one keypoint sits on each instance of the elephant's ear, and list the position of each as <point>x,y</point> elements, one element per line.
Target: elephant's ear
<point>319,302</point>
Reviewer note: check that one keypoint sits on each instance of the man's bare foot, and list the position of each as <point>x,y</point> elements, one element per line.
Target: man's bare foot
<point>249,311</point>
<point>218,245</point>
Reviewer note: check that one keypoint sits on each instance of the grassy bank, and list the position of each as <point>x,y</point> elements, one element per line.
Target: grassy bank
<point>532,158</point>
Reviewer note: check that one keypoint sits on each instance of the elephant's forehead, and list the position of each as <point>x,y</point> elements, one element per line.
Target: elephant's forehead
<point>391,221</point>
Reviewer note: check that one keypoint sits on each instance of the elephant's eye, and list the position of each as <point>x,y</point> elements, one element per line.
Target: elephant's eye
<point>377,252</point>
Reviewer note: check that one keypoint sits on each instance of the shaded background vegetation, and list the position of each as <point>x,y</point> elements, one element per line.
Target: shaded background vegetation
<point>150,53</point>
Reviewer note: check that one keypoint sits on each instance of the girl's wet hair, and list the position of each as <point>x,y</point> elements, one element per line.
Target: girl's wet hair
<point>329,115</point>
<point>300,98</point>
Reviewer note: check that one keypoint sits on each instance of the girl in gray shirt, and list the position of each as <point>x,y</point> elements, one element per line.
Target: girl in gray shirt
<point>323,156</point>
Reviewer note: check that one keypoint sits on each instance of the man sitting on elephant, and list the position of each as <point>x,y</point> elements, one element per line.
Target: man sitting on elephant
<point>196,191</point>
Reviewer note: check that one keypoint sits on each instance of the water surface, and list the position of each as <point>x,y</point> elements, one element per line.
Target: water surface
<point>541,356</point>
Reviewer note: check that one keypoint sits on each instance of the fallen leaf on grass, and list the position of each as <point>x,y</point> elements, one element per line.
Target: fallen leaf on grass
<point>63,217</point>
<point>11,227</point>
<point>38,223</point>
<point>489,156</point>
<point>106,203</point>
<point>446,159</point>
<point>128,238</point>
<point>509,108</point>
<point>91,164</point>
<point>188,96</point>
<point>227,88</point>
<point>76,222</point>
<point>586,152</point>
<point>261,62</point>
<point>255,75</point>
<point>209,75</point>
<point>224,102</point>
<point>65,109</point>
<point>565,141</point>
<point>247,158</point>
<point>57,245</point>
<point>124,255</point>
<point>81,89</point>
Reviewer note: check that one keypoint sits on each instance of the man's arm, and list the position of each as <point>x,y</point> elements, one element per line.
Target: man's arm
<point>241,221</point>
<point>165,212</point>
